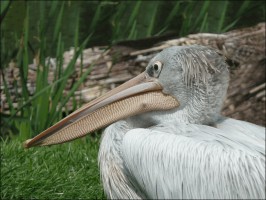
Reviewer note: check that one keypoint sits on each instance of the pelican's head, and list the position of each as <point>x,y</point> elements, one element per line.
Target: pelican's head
<point>196,76</point>
<point>186,82</point>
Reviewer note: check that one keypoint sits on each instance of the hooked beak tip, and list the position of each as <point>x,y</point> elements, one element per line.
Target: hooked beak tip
<point>26,144</point>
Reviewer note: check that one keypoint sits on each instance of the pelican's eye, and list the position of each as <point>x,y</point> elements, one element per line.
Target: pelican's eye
<point>157,66</point>
<point>156,69</point>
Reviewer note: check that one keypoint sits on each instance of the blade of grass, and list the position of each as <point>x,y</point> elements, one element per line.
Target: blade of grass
<point>116,21</point>
<point>202,14</point>
<point>8,96</point>
<point>132,34</point>
<point>187,18</point>
<point>53,8</point>
<point>58,22</point>
<point>153,18</point>
<point>76,35</point>
<point>42,15</point>
<point>222,16</point>
<point>41,104</point>
<point>23,57</point>
<point>173,12</point>
<point>242,9</point>
<point>133,16</point>
<point>96,17</point>
<point>5,5</point>
<point>76,42</point>
<point>57,90</point>
<point>59,57</point>
<point>204,25</point>
<point>229,26</point>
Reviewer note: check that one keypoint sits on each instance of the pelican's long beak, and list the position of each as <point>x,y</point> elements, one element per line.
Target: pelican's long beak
<point>138,95</point>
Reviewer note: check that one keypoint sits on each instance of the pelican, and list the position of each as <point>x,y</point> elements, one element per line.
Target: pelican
<point>167,138</point>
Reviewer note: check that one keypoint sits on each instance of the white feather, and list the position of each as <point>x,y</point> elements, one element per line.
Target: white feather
<point>197,161</point>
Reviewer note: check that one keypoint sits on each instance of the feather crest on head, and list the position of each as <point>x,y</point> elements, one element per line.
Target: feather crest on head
<point>198,62</point>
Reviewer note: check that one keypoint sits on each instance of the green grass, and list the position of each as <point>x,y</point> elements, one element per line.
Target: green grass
<point>68,171</point>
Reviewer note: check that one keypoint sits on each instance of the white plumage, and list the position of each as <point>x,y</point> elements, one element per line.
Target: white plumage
<point>188,161</point>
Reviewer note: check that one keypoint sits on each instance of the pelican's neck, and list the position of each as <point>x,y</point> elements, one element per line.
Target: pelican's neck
<point>203,106</point>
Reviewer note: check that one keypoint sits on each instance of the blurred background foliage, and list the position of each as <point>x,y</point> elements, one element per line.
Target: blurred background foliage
<point>41,29</point>
<point>113,21</point>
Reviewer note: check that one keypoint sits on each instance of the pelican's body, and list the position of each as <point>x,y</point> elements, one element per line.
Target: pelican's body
<point>184,161</point>
<point>171,141</point>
